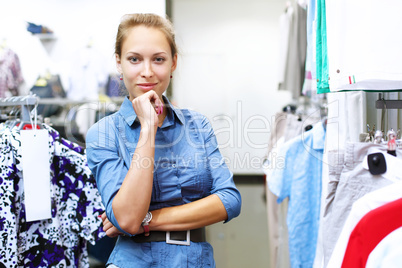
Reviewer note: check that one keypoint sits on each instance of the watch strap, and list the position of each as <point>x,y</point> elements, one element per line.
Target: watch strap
<point>146,229</point>
<point>145,223</point>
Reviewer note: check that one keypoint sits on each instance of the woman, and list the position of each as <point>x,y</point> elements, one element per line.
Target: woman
<point>157,167</point>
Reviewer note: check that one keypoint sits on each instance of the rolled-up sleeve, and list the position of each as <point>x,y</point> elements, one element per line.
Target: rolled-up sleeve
<point>106,164</point>
<point>222,178</point>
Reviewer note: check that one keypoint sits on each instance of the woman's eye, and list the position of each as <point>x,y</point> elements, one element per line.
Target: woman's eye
<point>133,59</point>
<point>159,59</point>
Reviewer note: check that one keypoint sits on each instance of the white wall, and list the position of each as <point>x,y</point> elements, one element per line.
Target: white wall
<point>228,71</point>
<point>74,23</point>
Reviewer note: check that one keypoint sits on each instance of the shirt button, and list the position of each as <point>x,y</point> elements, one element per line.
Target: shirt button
<point>174,165</point>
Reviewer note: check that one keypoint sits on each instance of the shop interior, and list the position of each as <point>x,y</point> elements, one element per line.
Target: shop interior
<point>233,68</point>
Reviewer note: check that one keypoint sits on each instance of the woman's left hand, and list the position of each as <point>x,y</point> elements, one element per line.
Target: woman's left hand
<point>109,228</point>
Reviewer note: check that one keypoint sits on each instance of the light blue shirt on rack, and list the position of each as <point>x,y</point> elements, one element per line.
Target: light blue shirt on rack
<point>188,166</point>
<point>298,177</point>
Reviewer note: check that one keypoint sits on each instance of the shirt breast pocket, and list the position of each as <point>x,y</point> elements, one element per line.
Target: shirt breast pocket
<point>166,185</point>
<point>194,177</point>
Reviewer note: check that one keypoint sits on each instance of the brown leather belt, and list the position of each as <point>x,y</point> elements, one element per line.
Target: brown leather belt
<point>173,237</point>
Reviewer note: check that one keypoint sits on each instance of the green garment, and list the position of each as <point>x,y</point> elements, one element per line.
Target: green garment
<point>321,50</point>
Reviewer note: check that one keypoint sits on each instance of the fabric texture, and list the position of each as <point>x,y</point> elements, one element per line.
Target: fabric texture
<point>299,179</point>
<point>286,127</point>
<point>88,75</point>
<point>360,208</point>
<point>295,19</point>
<point>277,245</point>
<point>310,78</point>
<point>354,182</point>
<point>322,67</point>
<point>363,52</point>
<point>188,166</point>
<point>388,252</point>
<point>60,241</point>
<point>370,230</point>
<point>10,73</point>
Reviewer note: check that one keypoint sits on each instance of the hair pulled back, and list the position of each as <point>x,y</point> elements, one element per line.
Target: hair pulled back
<point>129,21</point>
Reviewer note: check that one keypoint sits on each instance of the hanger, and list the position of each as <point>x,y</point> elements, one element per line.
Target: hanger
<point>11,123</point>
<point>31,124</point>
<point>28,109</point>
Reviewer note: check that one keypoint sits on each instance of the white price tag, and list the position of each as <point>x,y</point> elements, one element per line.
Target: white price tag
<point>36,174</point>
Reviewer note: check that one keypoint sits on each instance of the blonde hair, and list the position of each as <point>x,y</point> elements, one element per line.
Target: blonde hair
<point>129,21</point>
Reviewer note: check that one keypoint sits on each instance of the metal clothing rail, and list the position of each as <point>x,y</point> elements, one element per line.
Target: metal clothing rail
<point>387,104</point>
<point>26,102</point>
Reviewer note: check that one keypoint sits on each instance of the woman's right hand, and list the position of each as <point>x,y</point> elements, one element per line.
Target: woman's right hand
<point>147,107</point>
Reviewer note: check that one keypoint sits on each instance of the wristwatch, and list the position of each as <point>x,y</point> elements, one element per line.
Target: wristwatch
<point>145,223</point>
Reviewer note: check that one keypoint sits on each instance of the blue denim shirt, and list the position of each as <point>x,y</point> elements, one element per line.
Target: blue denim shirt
<point>188,166</point>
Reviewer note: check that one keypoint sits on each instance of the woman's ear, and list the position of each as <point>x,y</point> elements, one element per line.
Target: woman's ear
<point>174,63</point>
<point>118,63</point>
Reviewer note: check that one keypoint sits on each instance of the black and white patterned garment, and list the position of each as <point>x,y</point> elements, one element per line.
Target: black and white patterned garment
<point>76,204</point>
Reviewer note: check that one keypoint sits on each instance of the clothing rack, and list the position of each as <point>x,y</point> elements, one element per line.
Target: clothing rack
<point>387,104</point>
<point>26,103</point>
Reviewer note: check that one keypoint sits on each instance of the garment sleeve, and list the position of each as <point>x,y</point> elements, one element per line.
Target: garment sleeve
<point>106,163</point>
<point>280,180</point>
<point>222,178</point>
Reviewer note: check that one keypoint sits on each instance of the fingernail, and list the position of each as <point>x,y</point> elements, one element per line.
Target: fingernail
<point>99,216</point>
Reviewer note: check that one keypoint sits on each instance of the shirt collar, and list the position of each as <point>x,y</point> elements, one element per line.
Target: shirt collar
<point>129,115</point>
<point>127,111</point>
<point>318,136</point>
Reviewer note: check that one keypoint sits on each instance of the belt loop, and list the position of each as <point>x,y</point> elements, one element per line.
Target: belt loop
<point>178,242</point>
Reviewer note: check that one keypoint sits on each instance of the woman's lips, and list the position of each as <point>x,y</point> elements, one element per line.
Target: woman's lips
<point>147,86</point>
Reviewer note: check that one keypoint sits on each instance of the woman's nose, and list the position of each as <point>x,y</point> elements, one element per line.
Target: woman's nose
<point>147,70</point>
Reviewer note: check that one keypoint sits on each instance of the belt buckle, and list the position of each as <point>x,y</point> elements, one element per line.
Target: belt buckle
<point>178,242</point>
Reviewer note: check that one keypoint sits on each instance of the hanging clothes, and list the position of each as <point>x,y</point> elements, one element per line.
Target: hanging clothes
<point>321,49</point>
<point>287,126</point>
<point>10,73</point>
<point>285,22</point>
<point>388,252</point>
<point>293,53</point>
<point>364,53</point>
<point>88,75</point>
<point>48,86</point>
<point>370,230</point>
<point>76,204</point>
<point>276,213</point>
<point>310,78</point>
<point>360,208</point>
<point>346,186</point>
<point>299,179</point>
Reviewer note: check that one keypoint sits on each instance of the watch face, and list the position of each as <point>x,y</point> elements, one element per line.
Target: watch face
<point>148,217</point>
